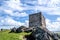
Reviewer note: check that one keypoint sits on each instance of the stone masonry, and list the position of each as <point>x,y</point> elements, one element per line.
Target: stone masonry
<point>37,20</point>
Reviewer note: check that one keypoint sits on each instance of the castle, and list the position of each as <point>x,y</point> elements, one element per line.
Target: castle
<point>37,20</point>
<point>37,27</point>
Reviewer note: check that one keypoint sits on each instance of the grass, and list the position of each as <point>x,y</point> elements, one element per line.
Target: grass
<point>5,35</point>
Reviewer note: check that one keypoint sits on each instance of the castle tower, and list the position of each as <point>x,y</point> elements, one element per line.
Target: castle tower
<point>37,20</point>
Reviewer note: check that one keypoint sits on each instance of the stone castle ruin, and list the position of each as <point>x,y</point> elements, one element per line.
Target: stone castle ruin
<point>37,21</point>
<point>37,27</point>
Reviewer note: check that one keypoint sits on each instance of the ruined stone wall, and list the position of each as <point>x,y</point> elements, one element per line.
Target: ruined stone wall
<point>36,20</point>
<point>43,21</point>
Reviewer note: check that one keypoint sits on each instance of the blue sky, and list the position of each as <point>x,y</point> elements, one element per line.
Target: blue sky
<point>14,13</point>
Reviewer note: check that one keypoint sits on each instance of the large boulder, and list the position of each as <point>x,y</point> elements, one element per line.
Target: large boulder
<point>20,29</point>
<point>38,34</point>
<point>13,30</point>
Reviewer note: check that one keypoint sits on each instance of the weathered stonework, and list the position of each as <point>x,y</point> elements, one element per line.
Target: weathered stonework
<point>37,20</point>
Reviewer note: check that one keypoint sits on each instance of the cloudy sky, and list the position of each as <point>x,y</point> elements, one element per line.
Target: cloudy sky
<point>16,12</point>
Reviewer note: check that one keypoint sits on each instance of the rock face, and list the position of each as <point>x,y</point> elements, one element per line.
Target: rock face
<point>20,29</point>
<point>38,34</point>
<point>37,21</point>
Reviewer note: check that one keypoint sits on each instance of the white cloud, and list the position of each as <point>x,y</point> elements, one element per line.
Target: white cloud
<point>6,27</point>
<point>34,2</point>
<point>12,13</point>
<point>42,2</point>
<point>53,3</point>
<point>26,23</point>
<point>13,4</point>
<point>8,23</point>
<point>10,6</point>
<point>20,14</point>
<point>53,26</point>
<point>51,7</point>
<point>17,14</point>
<point>58,19</point>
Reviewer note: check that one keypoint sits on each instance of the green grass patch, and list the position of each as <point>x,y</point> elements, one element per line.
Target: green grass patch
<point>5,35</point>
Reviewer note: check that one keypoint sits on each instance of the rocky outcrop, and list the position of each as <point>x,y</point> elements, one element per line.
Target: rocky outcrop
<point>40,34</point>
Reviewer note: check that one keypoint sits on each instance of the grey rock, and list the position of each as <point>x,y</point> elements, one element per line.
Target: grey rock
<point>13,30</point>
<point>18,30</point>
<point>38,34</point>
